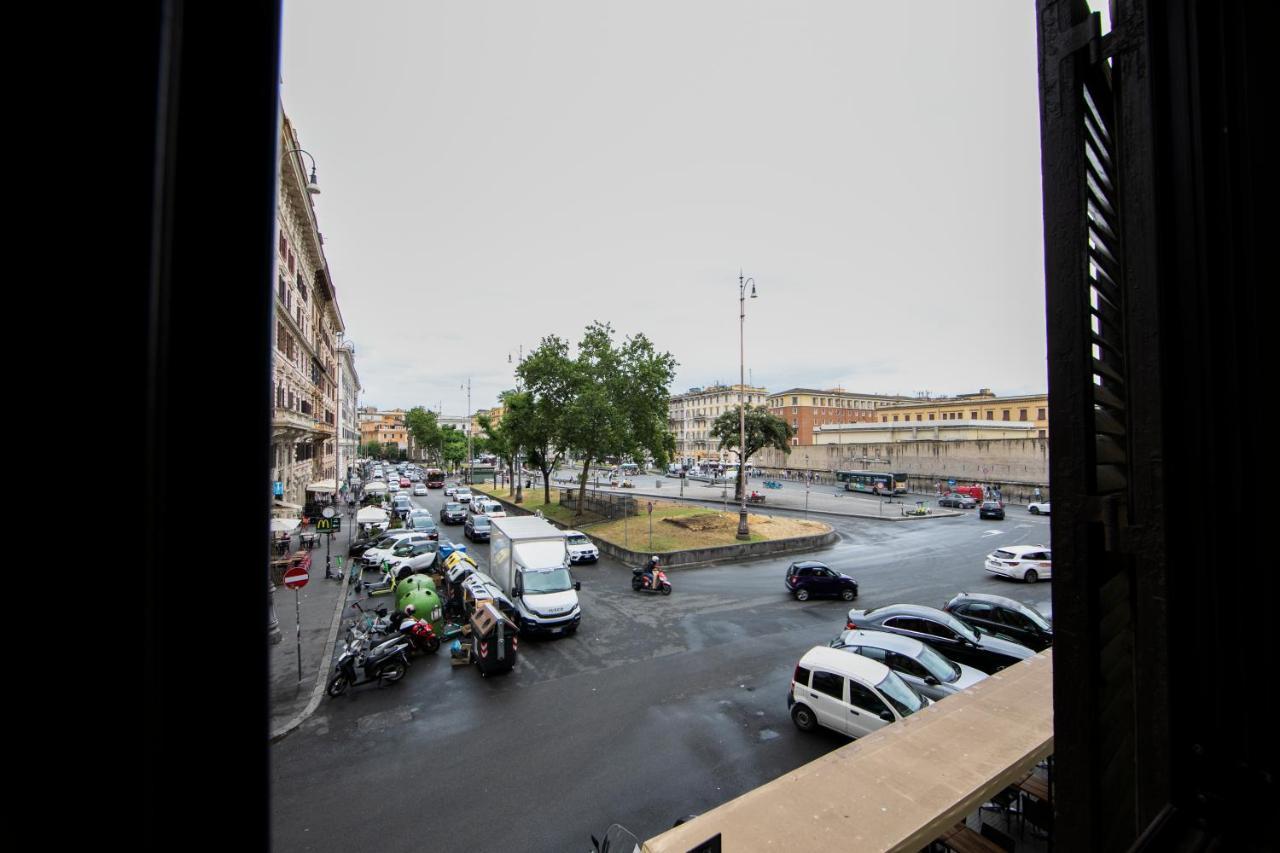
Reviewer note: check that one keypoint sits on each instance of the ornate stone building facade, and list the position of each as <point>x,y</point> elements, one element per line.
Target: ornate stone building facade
<point>690,416</point>
<point>306,336</point>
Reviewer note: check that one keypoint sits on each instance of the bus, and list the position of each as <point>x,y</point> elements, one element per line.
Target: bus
<point>874,482</point>
<point>435,478</point>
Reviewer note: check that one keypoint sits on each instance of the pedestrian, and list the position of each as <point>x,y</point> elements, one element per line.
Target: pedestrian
<point>1038,498</point>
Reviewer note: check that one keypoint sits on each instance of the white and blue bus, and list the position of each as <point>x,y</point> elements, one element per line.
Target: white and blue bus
<point>873,482</point>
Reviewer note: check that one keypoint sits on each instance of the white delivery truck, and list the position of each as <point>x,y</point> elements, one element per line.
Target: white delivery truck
<point>529,559</point>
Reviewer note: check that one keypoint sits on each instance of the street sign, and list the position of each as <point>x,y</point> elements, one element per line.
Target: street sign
<point>296,577</point>
<point>324,525</point>
<point>277,488</point>
<point>650,507</point>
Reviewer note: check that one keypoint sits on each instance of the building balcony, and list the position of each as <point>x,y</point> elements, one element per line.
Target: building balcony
<point>287,423</point>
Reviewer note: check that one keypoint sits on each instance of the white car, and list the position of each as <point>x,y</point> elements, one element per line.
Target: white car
<point>450,490</point>
<point>419,489</point>
<point>1029,563</point>
<point>413,557</point>
<point>375,556</point>
<point>851,694</point>
<point>581,548</point>
<point>1038,507</point>
<point>489,508</point>
<point>463,496</point>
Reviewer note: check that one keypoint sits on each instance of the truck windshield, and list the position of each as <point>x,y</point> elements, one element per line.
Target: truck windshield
<point>556,580</point>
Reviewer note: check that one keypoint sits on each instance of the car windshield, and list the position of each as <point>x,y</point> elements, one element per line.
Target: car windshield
<point>453,506</point>
<point>578,540</point>
<point>1037,618</point>
<point>938,666</point>
<point>557,580</point>
<point>422,522</point>
<point>904,699</point>
<point>479,522</point>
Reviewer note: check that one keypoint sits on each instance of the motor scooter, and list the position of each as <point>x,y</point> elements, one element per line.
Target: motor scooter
<point>646,579</point>
<point>382,663</point>
<point>385,585</point>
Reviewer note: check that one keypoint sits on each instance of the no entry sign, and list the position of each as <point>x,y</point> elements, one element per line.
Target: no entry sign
<point>296,577</point>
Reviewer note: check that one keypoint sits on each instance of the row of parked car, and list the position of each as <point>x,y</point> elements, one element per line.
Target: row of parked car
<point>892,661</point>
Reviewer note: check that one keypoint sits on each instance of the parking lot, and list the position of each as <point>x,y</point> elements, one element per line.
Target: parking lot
<point>657,708</point>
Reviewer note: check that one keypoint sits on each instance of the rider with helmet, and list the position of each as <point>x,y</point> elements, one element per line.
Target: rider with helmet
<point>651,572</point>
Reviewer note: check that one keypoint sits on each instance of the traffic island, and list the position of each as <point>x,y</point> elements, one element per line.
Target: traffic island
<point>681,535</point>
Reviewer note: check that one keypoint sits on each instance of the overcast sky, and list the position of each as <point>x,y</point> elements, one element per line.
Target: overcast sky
<point>493,172</point>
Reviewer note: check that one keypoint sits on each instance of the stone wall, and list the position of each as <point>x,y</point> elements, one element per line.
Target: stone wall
<point>1022,463</point>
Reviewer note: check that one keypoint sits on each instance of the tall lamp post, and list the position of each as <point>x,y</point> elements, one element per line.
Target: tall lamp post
<point>519,467</point>
<point>743,533</point>
<point>471,465</point>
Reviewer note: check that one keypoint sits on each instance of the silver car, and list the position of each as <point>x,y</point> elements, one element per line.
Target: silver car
<point>918,664</point>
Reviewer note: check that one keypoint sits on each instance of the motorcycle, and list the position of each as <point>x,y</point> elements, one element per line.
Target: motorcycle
<point>378,629</point>
<point>382,663</point>
<point>385,585</point>
<point>650,580</point>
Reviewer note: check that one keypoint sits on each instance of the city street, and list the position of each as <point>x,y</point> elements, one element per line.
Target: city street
<point>657,708</point>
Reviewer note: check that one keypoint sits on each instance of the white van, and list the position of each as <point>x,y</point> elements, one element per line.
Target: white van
<point>848,693</point>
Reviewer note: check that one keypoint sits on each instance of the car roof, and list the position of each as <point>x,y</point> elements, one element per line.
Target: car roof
<point>998,600</point>
<point>844,663</point>
<point>911,609</point>
<point>808,564</point>
<point>1023,549</point>
<point>882,640</point>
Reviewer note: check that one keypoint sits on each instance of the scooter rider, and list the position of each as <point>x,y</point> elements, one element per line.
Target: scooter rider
<point>651,572</point>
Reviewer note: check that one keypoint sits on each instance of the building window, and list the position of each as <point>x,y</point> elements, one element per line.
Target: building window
<point>1006,415</point>
<point>919,417</point>
<point>991,415</point>
<point>895,418</point>
<point>930,416</point>
<point>1022,414</point>
<point>973,416</point>
<point>795,401</point>
<point>1040,416</point>
<point>1041,433</point>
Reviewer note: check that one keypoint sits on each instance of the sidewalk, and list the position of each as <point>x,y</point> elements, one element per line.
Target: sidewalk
<point>321,603</point>
<point>822,500</point>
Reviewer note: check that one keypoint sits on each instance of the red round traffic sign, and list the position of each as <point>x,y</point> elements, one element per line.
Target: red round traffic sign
<point>296,577</point>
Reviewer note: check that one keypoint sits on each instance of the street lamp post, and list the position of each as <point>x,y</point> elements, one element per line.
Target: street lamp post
<point>471,465</point>
<point>743,533</point>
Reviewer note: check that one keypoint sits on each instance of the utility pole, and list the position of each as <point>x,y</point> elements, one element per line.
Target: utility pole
<point>743,533</point>
<point>471,468</point>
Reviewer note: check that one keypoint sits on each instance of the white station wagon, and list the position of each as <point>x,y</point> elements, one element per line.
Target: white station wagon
<point>1028,563</point>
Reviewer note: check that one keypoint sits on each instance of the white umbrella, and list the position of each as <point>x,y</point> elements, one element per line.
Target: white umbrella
<point>371,515</point>
<point>321,488</point>
<point>284,525</point>
<point>375,487</point>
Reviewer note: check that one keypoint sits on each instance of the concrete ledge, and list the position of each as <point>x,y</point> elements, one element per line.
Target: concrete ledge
<point>703,556</point>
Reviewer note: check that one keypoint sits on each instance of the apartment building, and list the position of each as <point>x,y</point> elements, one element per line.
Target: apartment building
<point>305,363</point>
<point>982,405</point>
<point>384,427</point>
<point>692,414</point>
<point>807,408</point>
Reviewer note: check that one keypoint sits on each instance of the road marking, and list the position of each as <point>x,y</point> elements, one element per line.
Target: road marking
<point>994,533</point>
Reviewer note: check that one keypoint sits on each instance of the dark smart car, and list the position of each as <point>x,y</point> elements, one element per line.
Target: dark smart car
<point>809,577</point>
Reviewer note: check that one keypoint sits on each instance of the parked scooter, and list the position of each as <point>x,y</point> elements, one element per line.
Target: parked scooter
<point>418,632</point>
<point>385,585</point>
<point>383,663</point>
<point>650,578</point>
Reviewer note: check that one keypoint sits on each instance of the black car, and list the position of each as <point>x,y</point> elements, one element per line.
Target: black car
<point>477,528</point>
<point>954,639</point>
<point>957,500</point>
<point>453,513</point>
<point>361,545</point>
<point>991,509</point>
<point>809,577</point>
<point>996,614</point>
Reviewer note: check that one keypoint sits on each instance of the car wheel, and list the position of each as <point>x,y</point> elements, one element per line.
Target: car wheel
<point>803,718</point>
<point>802,595</point>
<point>1031,576</point>
<point>1034,511</point>
<point>847,594</point>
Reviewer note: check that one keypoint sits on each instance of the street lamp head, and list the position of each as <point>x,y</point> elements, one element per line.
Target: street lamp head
<point>313,185</point>
<point>753,289</point>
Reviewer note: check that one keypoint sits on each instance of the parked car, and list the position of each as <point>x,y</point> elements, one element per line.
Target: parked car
<point>1003,617</point>
<point>809,577</point>
<point>476,528</point>
<point>954,639</point>
<point>928,672</point>
<point>453,513</point>
<point>991,509</point>
<point>1029,563</point>
<point>848,693</point>
<point>358,549</point>
<point>1038,508</point>
<point>420,489</point>
<point>957,500</point>
<point>581,548</point>
<point>400,506</point>
<point>411,558</point>
<point>374,556</point>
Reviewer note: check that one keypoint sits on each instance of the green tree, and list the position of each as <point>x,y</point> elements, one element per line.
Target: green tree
<point>454,447</point>
<point>549,376</point>
<point>619,405</point>
<point>503,438</point>
<point>372,449</point>
<point>423,426</point>
<point>763,429</point>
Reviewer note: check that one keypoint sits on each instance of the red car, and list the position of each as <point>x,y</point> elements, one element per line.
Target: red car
<point>404,482</point>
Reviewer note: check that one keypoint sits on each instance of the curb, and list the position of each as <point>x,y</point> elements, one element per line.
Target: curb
<point>763,509</point>
<point>318,691</point>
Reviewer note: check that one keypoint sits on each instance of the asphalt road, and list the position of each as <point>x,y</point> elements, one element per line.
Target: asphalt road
<point>658,707</point>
